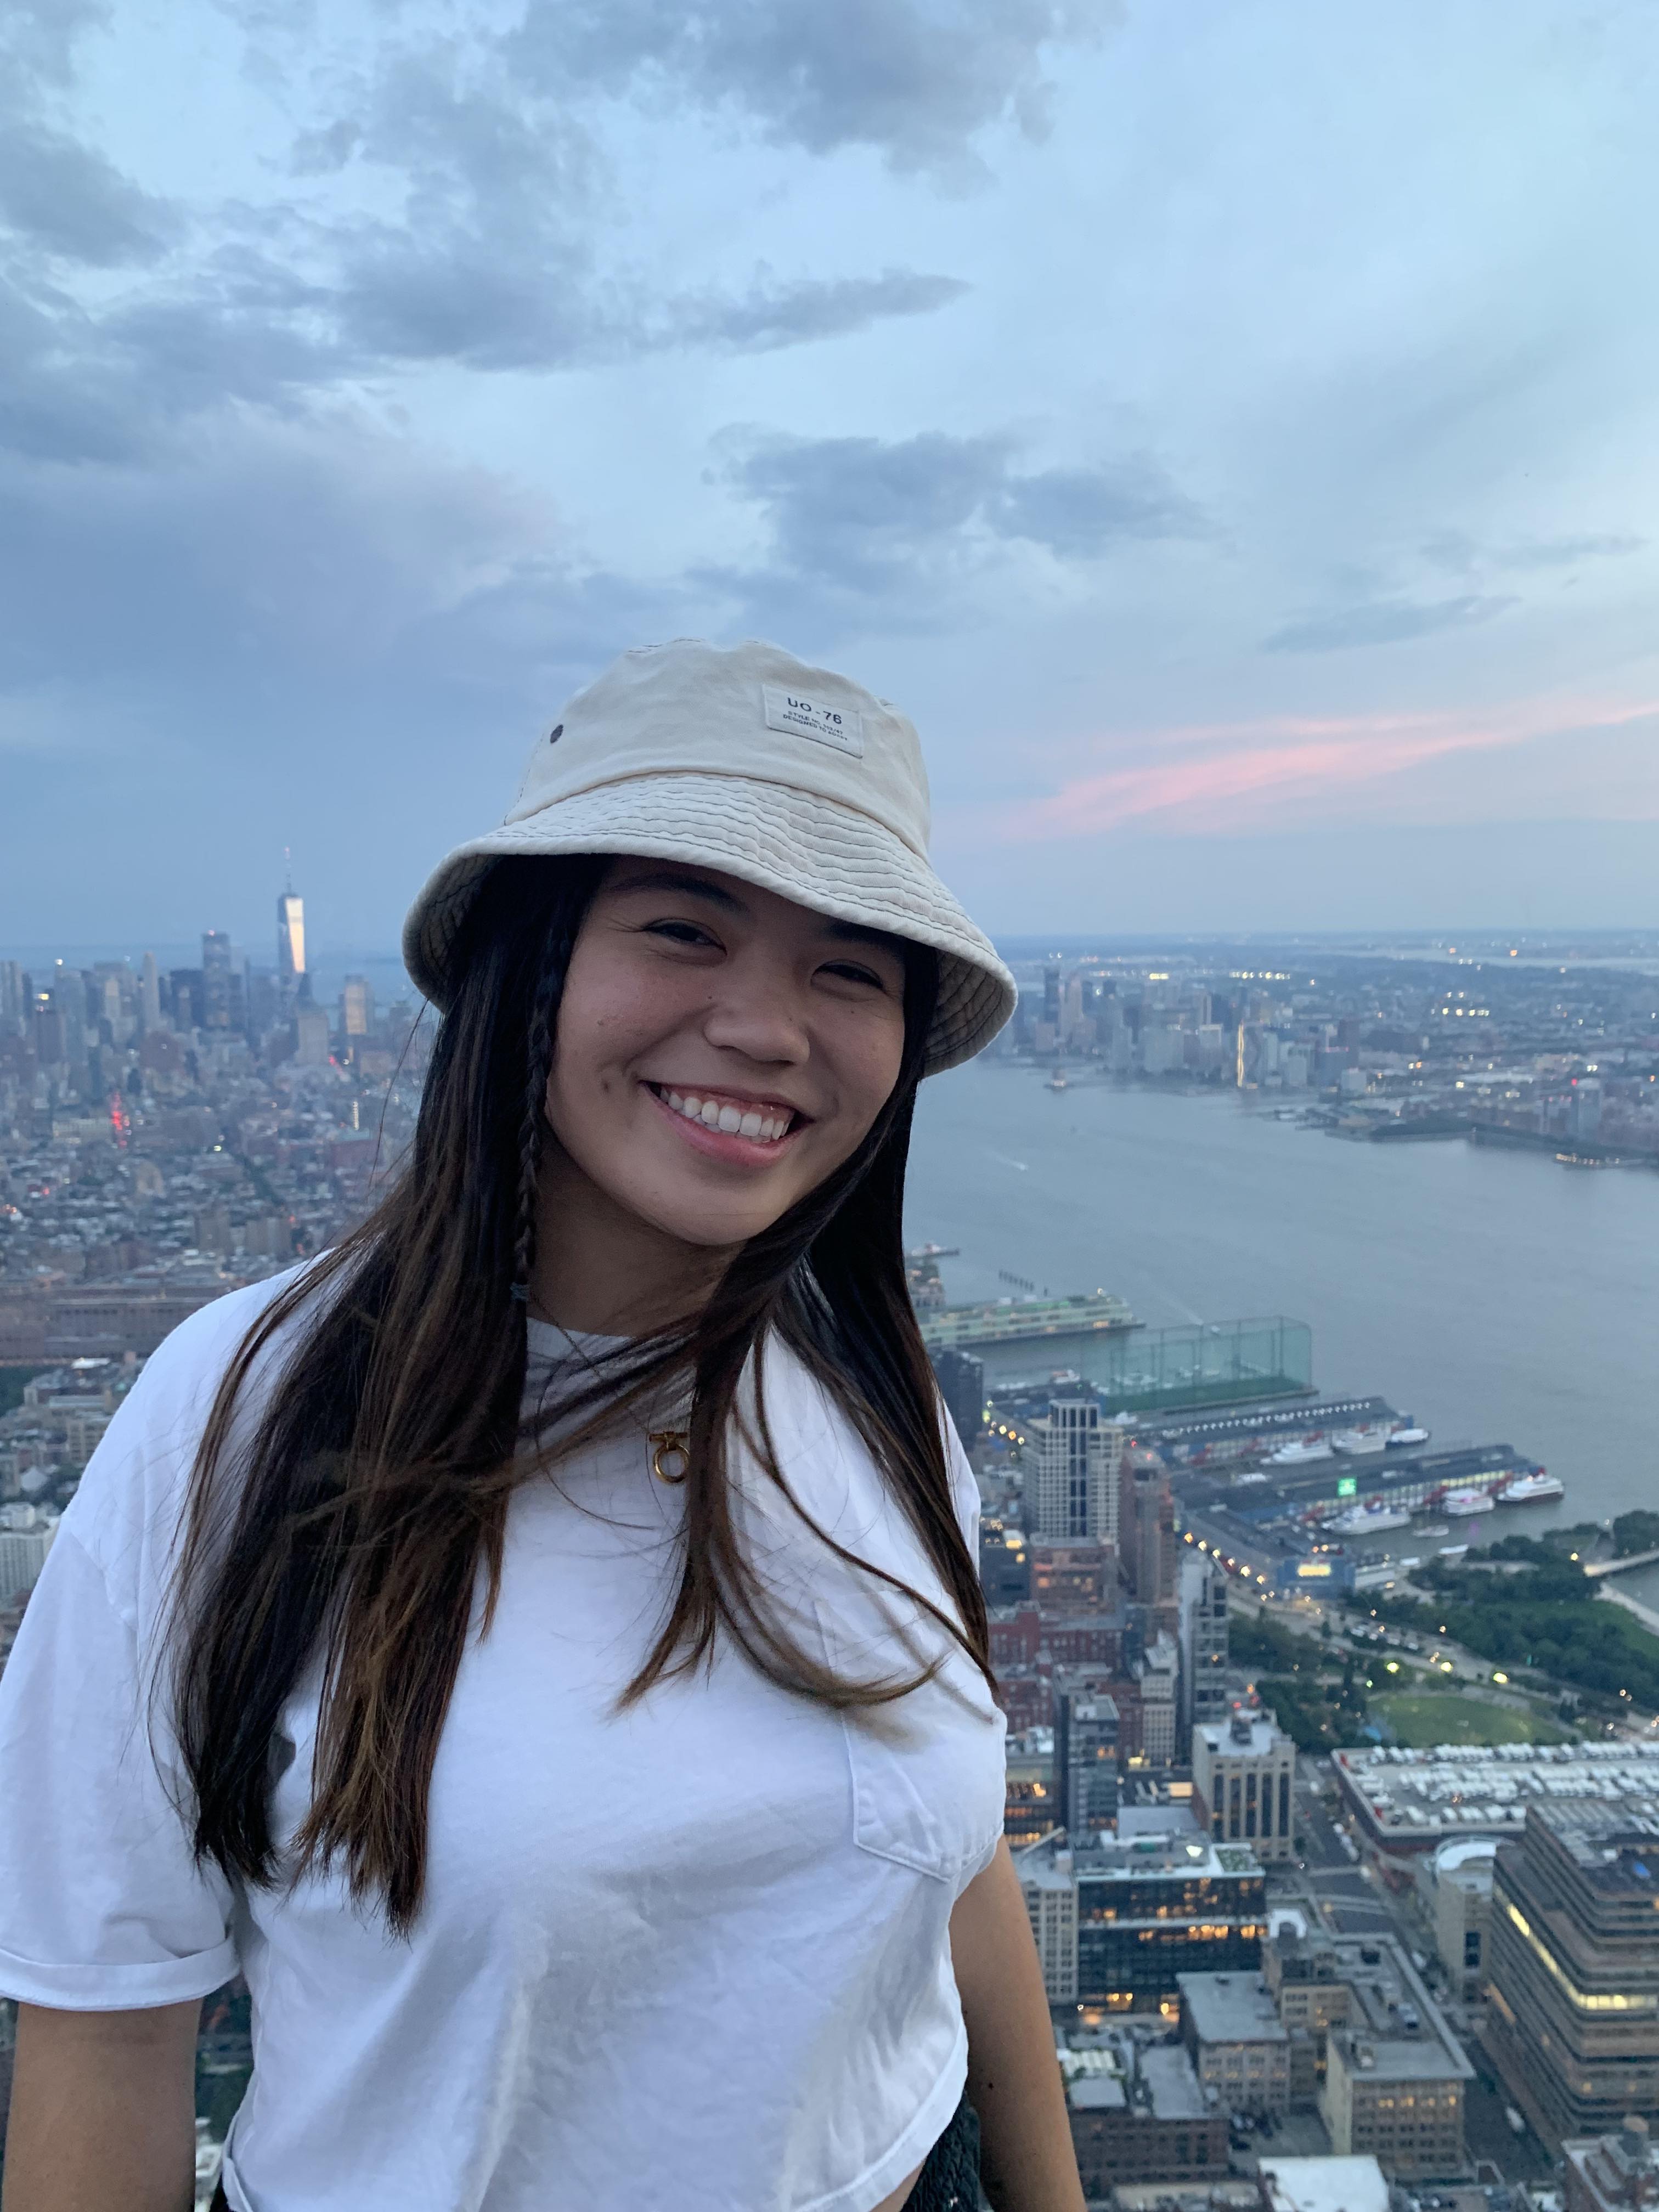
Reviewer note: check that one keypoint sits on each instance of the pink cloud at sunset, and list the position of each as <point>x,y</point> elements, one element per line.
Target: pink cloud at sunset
<point>1218,778</point>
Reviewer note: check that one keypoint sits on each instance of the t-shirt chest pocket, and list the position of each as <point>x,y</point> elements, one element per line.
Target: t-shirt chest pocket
<point>927,1770</point>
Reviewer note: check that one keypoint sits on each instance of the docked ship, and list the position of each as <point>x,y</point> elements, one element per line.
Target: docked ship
<point>1403,1438</point>
<point>1354,1443</point>
<point>1020,1320</point>
<point>1369,1520</point>
<point>1299,1453</point>
<point>1463,1503</point>
<point>1532,1490</point>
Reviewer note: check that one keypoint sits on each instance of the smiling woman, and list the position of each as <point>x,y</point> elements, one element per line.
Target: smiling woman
<point>512,1595</point>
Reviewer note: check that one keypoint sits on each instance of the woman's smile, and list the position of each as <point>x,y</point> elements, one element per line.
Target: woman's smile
<point>727,1125</point>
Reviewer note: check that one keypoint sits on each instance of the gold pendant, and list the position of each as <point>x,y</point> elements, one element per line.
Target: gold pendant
<point>671,1444</point>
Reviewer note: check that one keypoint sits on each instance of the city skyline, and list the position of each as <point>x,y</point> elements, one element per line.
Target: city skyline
<point>1231,438</point>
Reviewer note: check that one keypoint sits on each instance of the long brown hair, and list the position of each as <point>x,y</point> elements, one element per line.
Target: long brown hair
<point>349,1514</point>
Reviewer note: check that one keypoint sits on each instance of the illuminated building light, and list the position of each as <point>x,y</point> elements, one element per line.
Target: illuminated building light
<point>1581,2000</point>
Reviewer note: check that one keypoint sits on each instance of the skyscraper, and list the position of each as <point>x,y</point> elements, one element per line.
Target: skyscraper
<point>962,1386</point>
<point>1203,1636</point>
<point>1150,1560</point>
<point>356,1008</point>
<point>291,945</point>
<point>1573,1965</point>
<point>216,980</point>
<point>1086,1761</point>
<point>1073,1462</point>
<point>149,994</point>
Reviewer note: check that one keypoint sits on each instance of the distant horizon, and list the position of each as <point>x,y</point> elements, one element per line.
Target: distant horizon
<point>1639,941</point>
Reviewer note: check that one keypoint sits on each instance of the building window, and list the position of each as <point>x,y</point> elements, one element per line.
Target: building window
<point>1284,1804</point>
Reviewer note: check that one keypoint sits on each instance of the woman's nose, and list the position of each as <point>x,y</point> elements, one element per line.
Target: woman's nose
<point>761,1016</point>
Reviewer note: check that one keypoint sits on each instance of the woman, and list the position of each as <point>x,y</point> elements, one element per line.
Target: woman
<point>539,1643</point>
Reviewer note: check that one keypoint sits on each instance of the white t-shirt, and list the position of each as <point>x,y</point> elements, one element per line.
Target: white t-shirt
<point>695,1952</point>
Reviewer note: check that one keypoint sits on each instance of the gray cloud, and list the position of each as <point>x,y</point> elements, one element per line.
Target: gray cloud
<point>466,300</point>
<point>1568,552</point>
<point>59,198</point>
<point>1457,550</point>
<point>916,79</point>
<point>894,532</point>
<point>245,327</point>
<point>71,203</point>
<point>268,612</point>
<point>1383,622</point>
<point>38,38</point>
<point>772,315</point>
<point>495,263</point>
<point>1076,513</point>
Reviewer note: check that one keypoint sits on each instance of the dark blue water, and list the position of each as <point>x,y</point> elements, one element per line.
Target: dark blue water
<point>1495,1295</point>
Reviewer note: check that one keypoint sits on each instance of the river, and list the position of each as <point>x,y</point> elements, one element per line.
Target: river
<point>1494,1295</point>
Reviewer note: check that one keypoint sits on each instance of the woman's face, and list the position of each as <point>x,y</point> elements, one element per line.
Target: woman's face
<point>720,1050</point>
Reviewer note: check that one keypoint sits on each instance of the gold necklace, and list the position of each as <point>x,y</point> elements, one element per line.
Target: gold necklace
<point>666,1446</point>
<point>671,1444</point>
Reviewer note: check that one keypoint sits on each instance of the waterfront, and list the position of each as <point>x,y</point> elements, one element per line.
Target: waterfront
<point>1494,1295</point>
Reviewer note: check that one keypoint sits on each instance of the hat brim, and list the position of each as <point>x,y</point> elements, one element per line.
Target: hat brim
<point>807,848</point>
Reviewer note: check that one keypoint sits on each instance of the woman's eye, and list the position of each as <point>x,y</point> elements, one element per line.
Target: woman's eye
<point>680,932</point>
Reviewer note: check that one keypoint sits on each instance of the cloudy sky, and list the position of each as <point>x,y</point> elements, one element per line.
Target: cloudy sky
<point>1227,428</point>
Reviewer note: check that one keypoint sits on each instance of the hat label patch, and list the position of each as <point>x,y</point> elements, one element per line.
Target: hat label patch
<point>825,726</point>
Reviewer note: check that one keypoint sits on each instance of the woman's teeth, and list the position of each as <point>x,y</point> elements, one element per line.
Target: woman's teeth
<point>735,1121</point>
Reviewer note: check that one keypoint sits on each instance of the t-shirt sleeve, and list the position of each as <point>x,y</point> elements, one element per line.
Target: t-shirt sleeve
<point>102,1905</point>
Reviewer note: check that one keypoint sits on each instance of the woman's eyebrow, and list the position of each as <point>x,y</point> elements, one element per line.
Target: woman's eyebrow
<point>689,886</point>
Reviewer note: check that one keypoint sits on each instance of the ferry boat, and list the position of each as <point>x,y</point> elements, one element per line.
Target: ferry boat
<point>1532,1490</point>
<point>1057,1081</point>
<point>1376,1574</point>
<point>1299,1453</point>
<point>1402,1437</point>
<point>1463,1503</point>
<point>1369,1520</point>
<point>1452,1551</point>
<point>1354,1443</point>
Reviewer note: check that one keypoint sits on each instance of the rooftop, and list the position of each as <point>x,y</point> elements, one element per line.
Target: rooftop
<point>1324,2184</point>
<point>1454,1789</point>
<point>1467,1854</point>
<point>1176,2094</point>
<point>1229,2008</point>
<point>1617,2169</point>
<point>1616,1846</point>
<point>1246,1736</point>
<point>1395,2032</point>
<point>1053,1864</point>
<point>1116,2066</point>
<point>1135,1823</point>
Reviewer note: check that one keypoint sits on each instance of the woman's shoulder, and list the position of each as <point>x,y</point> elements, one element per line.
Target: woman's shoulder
<point>813,1427</point>
<point>129,1508</point>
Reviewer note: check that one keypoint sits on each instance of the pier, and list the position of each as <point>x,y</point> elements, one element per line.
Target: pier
<point>1597,1568</point>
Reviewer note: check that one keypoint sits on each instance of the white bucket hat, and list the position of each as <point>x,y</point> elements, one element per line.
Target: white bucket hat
<point>745,760</point>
